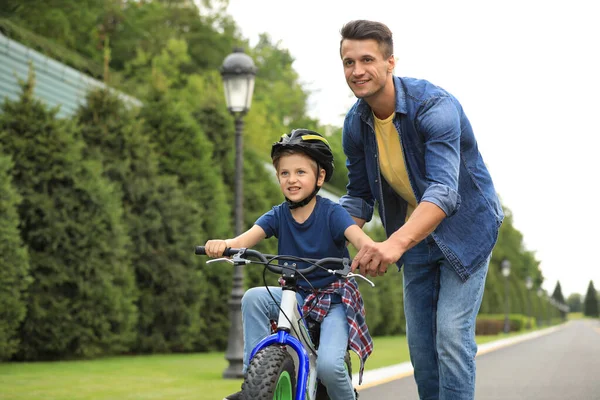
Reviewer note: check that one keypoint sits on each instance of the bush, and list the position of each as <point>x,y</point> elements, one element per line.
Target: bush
<point>80,302</point>
<point>161,224</point>
<point>14,266</point>
<point>484,326</point>
<point>493,324</point>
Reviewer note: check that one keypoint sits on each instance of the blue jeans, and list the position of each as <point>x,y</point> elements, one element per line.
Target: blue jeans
<point>258,308</point>
<point>440,314</point>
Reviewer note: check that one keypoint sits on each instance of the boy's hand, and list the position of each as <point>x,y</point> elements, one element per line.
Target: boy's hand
<point>215,248</point>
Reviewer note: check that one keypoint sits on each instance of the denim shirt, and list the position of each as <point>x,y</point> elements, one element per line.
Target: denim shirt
<point>444,167</point>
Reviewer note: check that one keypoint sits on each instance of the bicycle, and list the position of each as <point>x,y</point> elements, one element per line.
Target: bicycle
<point>271,373</point>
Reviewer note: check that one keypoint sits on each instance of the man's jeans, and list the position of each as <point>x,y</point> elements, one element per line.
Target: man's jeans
<point>258,308</point>
<point>440,317</point>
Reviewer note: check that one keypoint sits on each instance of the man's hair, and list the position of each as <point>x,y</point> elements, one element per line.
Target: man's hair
<point>362,29</point>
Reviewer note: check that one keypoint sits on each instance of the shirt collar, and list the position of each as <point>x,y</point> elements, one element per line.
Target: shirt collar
<point>365,112</point>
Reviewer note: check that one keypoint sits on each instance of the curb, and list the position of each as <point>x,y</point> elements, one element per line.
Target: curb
<point>383,375</point>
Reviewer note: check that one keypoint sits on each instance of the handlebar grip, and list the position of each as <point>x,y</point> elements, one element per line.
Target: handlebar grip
<point>200,250</point>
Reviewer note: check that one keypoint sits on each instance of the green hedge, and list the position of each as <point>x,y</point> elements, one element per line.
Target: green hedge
<point>493,324</point>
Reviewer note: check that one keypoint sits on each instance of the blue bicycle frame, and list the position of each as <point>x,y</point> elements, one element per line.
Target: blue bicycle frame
<point>290,315</point>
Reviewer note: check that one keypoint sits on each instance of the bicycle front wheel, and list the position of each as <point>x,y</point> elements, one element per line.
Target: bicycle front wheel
<point>271,375</point>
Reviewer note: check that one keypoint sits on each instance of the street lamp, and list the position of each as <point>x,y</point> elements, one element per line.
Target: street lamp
<point>238,72</point>
<point>528,285</point>
<point>506,272</point>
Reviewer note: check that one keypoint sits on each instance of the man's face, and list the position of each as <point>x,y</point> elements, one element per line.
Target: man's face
<point>365,67</point>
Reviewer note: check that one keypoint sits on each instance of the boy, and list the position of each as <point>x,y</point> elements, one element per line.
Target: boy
<point>307,225</point>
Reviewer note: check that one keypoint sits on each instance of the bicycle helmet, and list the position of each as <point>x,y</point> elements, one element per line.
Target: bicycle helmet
<point>313,145</point>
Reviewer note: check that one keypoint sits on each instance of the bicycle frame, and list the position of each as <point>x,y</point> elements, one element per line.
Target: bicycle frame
<point>306,362</point>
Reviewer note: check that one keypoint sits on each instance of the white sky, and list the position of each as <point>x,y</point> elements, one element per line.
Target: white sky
<point>527,74</point>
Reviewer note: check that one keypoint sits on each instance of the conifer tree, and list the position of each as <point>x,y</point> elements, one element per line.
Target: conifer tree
<point>160,221</point>
<point>557,294</point>
<point>184,151</point>
<point>590,304</point>
<point>81,300</point>
<point>14,265</point>
<point>559,297</point>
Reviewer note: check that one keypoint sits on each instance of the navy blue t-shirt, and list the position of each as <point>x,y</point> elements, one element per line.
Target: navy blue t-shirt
<point>321,235</point>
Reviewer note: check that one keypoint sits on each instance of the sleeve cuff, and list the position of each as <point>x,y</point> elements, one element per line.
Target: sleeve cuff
<point>357,207</point>
<point>444,197</point>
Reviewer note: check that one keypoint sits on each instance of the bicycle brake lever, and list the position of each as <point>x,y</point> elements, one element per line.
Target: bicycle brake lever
<point>214,260</point>
<point>352,274</point>
<point>346,272</point>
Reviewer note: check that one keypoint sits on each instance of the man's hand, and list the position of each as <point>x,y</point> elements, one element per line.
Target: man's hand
<point>373,258</point>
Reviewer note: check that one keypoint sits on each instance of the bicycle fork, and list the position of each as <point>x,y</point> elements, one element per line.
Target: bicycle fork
<point>305,360</point>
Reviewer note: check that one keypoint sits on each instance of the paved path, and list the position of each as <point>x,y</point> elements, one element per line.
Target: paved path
<point>556,363</point>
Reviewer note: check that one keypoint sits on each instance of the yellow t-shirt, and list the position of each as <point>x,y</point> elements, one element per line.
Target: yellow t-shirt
<point>391,160</point>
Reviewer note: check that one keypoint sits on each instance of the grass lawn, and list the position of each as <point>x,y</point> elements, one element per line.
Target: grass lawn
<point>177,377</point>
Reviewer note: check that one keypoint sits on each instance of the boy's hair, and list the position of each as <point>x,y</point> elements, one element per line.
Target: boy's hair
<point>288,152</point>
<point>362,29</point>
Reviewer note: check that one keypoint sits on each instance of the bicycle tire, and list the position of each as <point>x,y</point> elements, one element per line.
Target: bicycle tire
<point>271,375</point>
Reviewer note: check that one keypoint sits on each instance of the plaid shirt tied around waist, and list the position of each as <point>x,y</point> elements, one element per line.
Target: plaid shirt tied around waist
<point>317,305</point>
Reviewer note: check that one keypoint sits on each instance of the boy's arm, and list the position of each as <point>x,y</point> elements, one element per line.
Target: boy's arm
<point>359,221</point>
<point>355,235</point>
<point>250,238</point>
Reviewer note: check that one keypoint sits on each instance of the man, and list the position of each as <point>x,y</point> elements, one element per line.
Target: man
<point>411,148</point>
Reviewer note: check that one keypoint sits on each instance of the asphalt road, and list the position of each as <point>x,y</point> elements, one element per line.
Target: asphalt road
<point>562,365</point>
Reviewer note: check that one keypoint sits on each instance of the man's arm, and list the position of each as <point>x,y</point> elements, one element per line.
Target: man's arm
<point>373,258</point>
<point>424,219</point>
<point>439,123</point>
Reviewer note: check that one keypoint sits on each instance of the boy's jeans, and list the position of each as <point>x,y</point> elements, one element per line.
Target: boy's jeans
<point>258,308</point>
<point>440,318</point>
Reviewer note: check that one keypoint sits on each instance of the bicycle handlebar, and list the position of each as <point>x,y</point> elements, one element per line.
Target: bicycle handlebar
<point>241,256</point>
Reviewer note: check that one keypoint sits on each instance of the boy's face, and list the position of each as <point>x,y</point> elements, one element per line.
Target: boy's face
<point>297,176</point>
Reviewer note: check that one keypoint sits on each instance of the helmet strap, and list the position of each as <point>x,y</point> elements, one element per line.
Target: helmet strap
<point>302,203</point>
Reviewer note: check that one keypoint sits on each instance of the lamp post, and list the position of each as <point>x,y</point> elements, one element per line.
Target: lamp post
<point>528,285</point>
<point>238,73</point>
<point>506,272</point>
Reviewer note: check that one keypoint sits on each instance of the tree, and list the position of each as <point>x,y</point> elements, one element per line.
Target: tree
<point>557,293</point>
<point>558,296</point>
<point>575,303</point>
<point>14,264</point>
<point>71,24</point>
<point>590,304</point>
<point>339,179</point>
<point>161,224</point>
<point>185,152</point>
<point>81,300</point>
